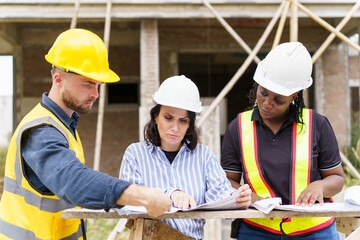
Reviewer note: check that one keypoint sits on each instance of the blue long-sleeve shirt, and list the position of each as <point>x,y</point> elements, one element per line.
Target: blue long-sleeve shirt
<point>51,167</point>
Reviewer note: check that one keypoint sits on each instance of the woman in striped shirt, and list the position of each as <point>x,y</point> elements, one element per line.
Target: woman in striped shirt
<point>172,158</point>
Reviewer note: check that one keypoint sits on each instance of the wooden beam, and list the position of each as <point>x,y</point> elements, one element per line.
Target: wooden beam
<point>136,231</point>
<point>331,37</point>
<point>349,165</point>
<point>328,27</point>
<point>347,225</point>
<point>243,67</point>
<point>354,235</point>
<point>76,13</point>
<point>294,26</point>
<point>100,119</point>
<point>281,24</point>
<point>230,30</point>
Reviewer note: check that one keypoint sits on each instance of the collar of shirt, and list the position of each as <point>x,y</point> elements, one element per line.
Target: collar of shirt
<point>293,114</point>
<point>152,148</point>
<point>69,122</point>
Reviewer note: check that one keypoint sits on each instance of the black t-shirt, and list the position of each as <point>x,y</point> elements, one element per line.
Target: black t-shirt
<point>275,151</point>
<point>170,155</point>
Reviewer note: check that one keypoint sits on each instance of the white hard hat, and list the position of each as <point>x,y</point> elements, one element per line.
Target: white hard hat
<point>286,69</point>
<point>179,92</point>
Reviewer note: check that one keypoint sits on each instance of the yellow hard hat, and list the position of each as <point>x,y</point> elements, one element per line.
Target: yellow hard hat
<point>82,52</point>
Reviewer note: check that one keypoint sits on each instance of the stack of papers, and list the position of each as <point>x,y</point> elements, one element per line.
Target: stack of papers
<point>267,204</point>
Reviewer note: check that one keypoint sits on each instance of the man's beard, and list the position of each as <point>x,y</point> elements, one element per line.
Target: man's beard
<point>73,104</point>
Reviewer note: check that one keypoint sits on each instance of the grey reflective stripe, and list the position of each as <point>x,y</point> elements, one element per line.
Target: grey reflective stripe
<point>15,232</point>
<point>44,204</point>
<point>18,233</point>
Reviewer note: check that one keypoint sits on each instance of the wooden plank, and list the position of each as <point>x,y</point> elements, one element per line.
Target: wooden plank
<point>136,231</point>
<point>347,225</point>
<point>355,235</point>
<point>228,214</point>
<point>154,229</point>
<point>56,2</point>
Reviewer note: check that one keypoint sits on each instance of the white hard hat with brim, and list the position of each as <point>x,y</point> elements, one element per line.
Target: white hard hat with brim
<point>286,69</point>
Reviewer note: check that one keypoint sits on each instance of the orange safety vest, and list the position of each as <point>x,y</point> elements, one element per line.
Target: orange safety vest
<point>300,174</point>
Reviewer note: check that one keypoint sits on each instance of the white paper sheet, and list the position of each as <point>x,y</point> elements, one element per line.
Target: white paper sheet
<point>228,203</point>
<point>266,205</point>
<point>351,203</point>
<point>327,207</point>
<point>352,195</point>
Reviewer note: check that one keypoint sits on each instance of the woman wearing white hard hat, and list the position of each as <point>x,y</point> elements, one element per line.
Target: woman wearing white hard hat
<point>283,149</point>
<point>173,159</point>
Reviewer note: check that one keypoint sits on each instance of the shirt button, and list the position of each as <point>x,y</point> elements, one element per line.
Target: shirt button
<point>274,140</point>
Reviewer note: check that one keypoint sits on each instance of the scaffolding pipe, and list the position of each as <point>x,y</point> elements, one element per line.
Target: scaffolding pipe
<point>349,165</point>
<point>75,17</point>
<point>243,67</point>
<point>328,27</point>
<point>331,37</point>
<point>99,127</point>
<point>230,30</point>
<point>294,26</point>
<point>281,24</point>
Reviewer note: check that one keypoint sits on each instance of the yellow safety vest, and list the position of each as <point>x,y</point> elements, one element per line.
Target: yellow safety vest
<point>26,214</point>
<point>300,174</point>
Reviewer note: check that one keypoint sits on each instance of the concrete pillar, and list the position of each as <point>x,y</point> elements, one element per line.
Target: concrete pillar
<point>210,136</point>
<point>149,69</point>
<point>169,65</point>
<point>332,94</point>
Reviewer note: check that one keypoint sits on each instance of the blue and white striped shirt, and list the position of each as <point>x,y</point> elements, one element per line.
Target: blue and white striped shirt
<point>197,172</point>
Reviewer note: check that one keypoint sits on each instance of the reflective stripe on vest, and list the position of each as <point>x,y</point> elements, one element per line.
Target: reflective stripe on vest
<point>14,232</point>
<point>301,163</point>
<point>40,213</point>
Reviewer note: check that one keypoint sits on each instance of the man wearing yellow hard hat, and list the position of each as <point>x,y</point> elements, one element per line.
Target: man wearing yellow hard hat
<point>45,172</point>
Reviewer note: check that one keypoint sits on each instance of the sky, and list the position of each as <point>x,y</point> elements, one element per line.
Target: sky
<point>6,75</point>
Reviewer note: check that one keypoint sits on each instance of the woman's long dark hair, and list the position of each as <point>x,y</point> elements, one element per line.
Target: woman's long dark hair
<point>151,133</point>
<point>298,102</point>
